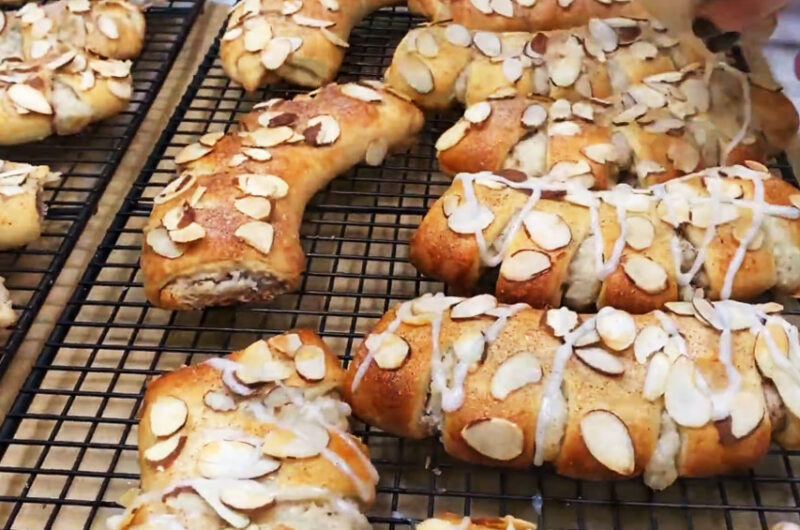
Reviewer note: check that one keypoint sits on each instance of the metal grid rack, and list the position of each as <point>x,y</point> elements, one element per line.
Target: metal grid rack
<point>68,446</point>
<point>87,161</point>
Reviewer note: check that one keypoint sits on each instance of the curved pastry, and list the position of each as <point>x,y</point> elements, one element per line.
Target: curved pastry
<point>300,41</point>
<point>7,315</point>
<point>21,206</point>
<point>525,15</point>
<point>451,521</point>
<point>623,62</point>
<point>227,230</point>
<point>65,65</point>
<point>733,232</point>
<point>595,143</point>
<point>697,392</point>
<point>258,437</point>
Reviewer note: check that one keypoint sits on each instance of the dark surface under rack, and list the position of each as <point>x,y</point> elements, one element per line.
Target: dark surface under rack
<point>87,160</point>
<point>68,445</point>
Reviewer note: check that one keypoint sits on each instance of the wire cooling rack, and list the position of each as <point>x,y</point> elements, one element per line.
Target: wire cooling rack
<point>87,161</point>
<point>68,445</point>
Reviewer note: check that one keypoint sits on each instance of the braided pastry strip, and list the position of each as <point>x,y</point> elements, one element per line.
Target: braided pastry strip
<point>227,229</point>
<point>258,437</point>
<point>732,232</point>
<point>65,65</point>
<point>300,41</point>
<point>695,393</point>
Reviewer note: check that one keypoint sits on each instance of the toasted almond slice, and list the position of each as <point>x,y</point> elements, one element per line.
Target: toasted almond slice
<point>167,415</point>
<point>465,220</point>
<point>209,491</point>
<point>219,401</point>
<point>270,136</point>
<point>548,230</point>
<point>107,27</point>
<point>765,348</point>
<point>376,152</point>
<point>608,440</point>
<point>78,6</point>
<point>276,52</point>
<point>645,273</point>
<point>322,130</point>
<point>488,43</point>
<point>453,135</point>
<point>263,185</point>
<point>416,74</point>
<point>567,169</point>
<point>158,239</point>
<point>39,48</point>
<point>560,110</point>
<point>211,139</point>
<point>616,328</point>
<point>514,373</point>
<point>504,92</point>
<point>301,440</point>
<point>191,153</point>
<point>176,187</point>
<point>740,231</point>
<point>309,361</point>
<point>513,68</point>
<point>392,351</point>
<point>232,34</point>
<point>29,98</point>
<point>449,204</point>
<point>684,156</point>
<point>747,411</point>
<point>87,80</point>
<point>564,128</point>
<point>584,110</point>
<point>247,495</point>
<point>473,307</point>
<point>123,89</point>
<point>561,320</point>
<point>478,112</point>
<point>647,96</point>
<point>502,7</point>
<point>286,343</point>
<point>600,360</point>
<point>426,43</point>
<point>458,35</point>
<point>361,92</point>
<point>788,389</point>
<point>630,114</point>
<point>231,459</point>
<point>161,452</point>
<point>257,153</point>
<point>258,208</point>
<point>187,234</point>
<point>639,232</point>
<point>524,265</point>
<point>684,402</point>
<point>676,214</point>
<point>565,69</point>
<point>237,160</point>
<point>643,50</point>
<point>600,153</point>
<point>655,382</point>
<point>649,340</point>
<point>257,234</point>
<point>604,35</point>
<point>495,438</point>
<point>310,22</point>
<point>534,116</point>
<point>587,339</point>
<point>258,33</point>
<point>697,93</point>
<point>483,6</point>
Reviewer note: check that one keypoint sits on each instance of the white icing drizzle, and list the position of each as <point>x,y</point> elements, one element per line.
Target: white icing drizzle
<point>755,226</point>
<point>228,368</point>
<point>747,110</point>
<point>391,328</point>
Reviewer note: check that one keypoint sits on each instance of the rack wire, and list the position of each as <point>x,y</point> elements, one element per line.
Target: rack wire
<point>68,445</point>
<point>87,161</point>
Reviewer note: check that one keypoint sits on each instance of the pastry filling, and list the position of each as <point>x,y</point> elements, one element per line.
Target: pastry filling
<point>223,288</point>
<point>661,470</point>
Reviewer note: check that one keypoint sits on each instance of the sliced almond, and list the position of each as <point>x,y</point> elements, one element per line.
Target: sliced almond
<point>697,94</point>
<point>263,185</point>
<point>645,273</point>
<point>449,204</point>
<point>232,34</point>
<point>286,343</point>
<point>302,20</point>
<point>189,233</point>
<point>361,92</point>
<point>219,401</point>
<point>655,382</point>
<point>276,52</point>
<point>524,265</point>
<point>270,136</point>
<point>258,33</point>
<point>237,160</point>
<point>465,220</point>
<point>392,352</point>
<point>674,211</point>
<point>487,43</point>
<point>211,139</point>
<point>478,112</point>
<point>514,373</point>
<point>426,43</point>
<point>639,232</point>
<point>616,328</point>
<point>548,230</point>
<point>765,348</point>
<point>376,152</point>
<point>458,35</point>
<point>740,232</point>
<point>496,438</point>
<point>167,415</point>
<point>161,452</point>
<point>789,390</point>
<point>534,116</point>
<point>257,208</point>
<point>192,152</point>
<point>604,35</point>
<point>123,89</point>
<point>561,320</point>
<point>452,136</point>
<point>322,130</point>
<point>513,69</point>
<point>29,98</point>
<point>630,114</point>
<point>584,110</point>
<point>560,110</point>
<point>473,307</point>
<point>649,340</point>
<point>257,234</point>
<point>158,239</point>
<point>567,169</point>
<point>209,491</point>
<point>747,411</point>
<point>647,96</point>
<point>684,402</point>
<point>565,68</point>
<point>247,495</point>
<point>587,339</point>
<point>608,440</point>
<point>107,27</point>
<point>309,361</point>
<point>416,74</point>
<point>229,459</point>
<point>502,7</point>
<point>257,153</point>
<point>39,48</point>
<point>333,38</point>
<point>644,50</point>
<point>482,5</point>
<point>600,360</point>
<point>564,128</point>
<point>301,440</point>
<point>684,156</point>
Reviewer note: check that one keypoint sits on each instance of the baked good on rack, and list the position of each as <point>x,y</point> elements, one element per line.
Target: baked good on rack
<point>7,315</point>
<point>227,229</point>
<point>632,64</point>
<point>22,208</point>
<point>527,15</point>
<point>302,42</point>
<point>64,65</point>
<point>699,390</point>
<point>731,231</point>
<point>259,437</point>
<point>596,143</point>
<point>450,521</point>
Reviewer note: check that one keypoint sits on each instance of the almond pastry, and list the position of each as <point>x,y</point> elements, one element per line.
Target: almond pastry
<point>22,207</point>
<point>7,315</point>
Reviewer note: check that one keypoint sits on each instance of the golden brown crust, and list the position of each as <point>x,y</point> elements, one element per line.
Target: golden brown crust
<point>302,167</point>
<point>448,521</point>
<point>343,472</point>
<point>316,59</point>
<point>21,204</point>
<point>709,449</point>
